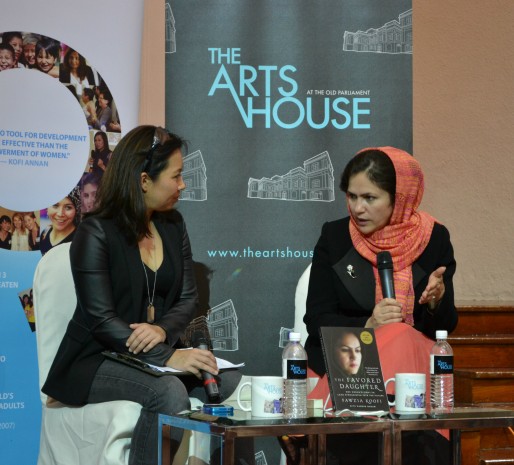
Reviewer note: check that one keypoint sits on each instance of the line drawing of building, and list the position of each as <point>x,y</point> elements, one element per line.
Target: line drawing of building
<point>260,458</point>
<point>195,177</point>
<point>312,182</point>
<point>393,37</point>
<point>198,324</point>
<point>284,336</point>
<point>170,31</point>
<point>222,322</point>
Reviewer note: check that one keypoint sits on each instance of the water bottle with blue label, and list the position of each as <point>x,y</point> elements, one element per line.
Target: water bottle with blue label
<point>441,375</point>
<point>294,372</point>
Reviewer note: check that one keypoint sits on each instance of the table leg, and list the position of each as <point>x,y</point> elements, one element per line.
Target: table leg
<point>322,449</point>
<point>397,446</point>
<point>317,447</point>
<point>228,451</point>
<point>387,448</point>
<point>165,438</point>
<point>456,446</point>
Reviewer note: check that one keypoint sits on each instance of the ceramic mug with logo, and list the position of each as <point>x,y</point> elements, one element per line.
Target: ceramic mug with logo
<point>266,396</point>
<point>410,393</point>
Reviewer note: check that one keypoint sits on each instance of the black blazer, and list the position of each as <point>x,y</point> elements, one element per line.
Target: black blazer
<point>109,282</point>
<point>337,299</point>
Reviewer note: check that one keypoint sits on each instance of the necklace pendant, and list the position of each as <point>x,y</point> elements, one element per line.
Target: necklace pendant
<point>150,313</point>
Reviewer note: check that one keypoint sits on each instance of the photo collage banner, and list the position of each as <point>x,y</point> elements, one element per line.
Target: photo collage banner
<point>61,116</point>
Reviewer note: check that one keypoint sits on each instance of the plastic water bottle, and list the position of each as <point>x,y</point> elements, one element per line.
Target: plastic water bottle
<point>441,375</point>
<point>294,372</point>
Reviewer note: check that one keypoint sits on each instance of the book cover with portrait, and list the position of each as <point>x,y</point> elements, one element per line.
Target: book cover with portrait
<point>353,368</point>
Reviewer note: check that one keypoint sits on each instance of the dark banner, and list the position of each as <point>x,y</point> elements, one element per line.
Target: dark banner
<point>275,96</point>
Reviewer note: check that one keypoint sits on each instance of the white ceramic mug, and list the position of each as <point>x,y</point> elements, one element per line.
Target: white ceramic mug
<point>266,392</point>
<point>410,393</point>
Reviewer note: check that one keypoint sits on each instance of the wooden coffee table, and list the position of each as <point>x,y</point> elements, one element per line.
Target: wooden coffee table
<point>317,427</point>
<point>242,425</point>
<point>461,418</point>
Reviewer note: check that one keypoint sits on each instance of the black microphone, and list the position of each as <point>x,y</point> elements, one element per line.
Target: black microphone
<point>209,381</point>
<point>385,271</point>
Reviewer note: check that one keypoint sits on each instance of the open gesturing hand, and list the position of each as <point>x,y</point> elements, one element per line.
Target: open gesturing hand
<point>435,288</point>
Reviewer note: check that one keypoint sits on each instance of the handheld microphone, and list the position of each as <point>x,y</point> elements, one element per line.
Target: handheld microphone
<point>385,272</point>
<point>209,381</point>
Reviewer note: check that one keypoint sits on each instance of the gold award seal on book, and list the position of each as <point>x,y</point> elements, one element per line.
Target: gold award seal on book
<point>366,337</point>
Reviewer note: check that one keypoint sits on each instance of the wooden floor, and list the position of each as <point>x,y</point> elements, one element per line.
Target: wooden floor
<point>483,346</point>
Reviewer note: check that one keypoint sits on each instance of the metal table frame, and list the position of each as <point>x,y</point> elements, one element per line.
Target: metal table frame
<point>317,428</point>
<point>461,418</point>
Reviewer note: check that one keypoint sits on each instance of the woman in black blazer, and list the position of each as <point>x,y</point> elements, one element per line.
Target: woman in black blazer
<point>337,299</point>
<point>384,187</point>
<point>133,272</point>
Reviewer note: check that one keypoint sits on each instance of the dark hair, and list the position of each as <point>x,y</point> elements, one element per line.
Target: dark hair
<point>378,168</point>
<point>89,178</point>
<point>73,90</point>
<point>334,343</point>
<point>50,46</point>
<point>338,335</point>
<point>5,218</point>
<point>82,69</point>
<point>89,93</point>
<point>106,94</point>
<point>120,196</point>
<point>103,135</point>
<point>8,47</point>
<point>8,36</point>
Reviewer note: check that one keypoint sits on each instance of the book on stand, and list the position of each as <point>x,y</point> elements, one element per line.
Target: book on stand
<point>354,372</point>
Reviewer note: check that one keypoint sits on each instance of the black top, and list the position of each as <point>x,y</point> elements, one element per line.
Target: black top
<point>164,278</point>
<point>6,243</point>
<point>110,285</point>
<point>34,245</point>
<point>337,299</point>
<point>44,242</point>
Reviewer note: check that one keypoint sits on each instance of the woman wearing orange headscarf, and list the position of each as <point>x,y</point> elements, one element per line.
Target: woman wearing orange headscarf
<point>384,187</point>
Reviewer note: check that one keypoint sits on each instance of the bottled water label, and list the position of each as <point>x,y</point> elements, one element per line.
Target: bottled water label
<point>294,373</point>
<point>441,364</point>
<point>441,375</point>
<point>294,369</point>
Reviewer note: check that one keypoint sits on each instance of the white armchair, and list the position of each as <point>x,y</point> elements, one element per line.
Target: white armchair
<point>97,434</point>
<point>300,300</point>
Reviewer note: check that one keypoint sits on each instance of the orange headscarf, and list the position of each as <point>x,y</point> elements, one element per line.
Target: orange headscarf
<point>407,233</point>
